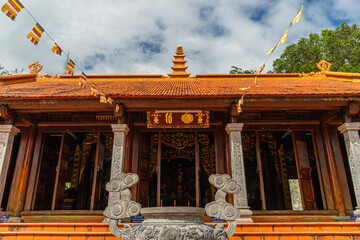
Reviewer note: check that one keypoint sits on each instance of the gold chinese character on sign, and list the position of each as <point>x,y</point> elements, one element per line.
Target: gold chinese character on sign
<point>35,67</point>
<point>187,118</point>
<point>168,118</point>
<point>200,116</point>
<point>156,117</point>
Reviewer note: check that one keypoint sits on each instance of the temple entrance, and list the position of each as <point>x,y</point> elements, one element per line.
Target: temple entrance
<point>177,182</point>
<point>174,169</point>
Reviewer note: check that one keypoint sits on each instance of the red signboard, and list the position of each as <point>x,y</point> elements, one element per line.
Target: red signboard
<point>178,119</point>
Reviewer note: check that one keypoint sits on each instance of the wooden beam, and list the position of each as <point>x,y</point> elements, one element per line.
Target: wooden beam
<point>329,116</point>
<point>260,172</point>
<point>197,170</point>
<point>333,172</point>
<point>24,175</point>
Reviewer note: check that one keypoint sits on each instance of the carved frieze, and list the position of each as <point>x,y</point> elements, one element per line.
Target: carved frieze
<point>7,133</point>
<point>238,170</point>
<point>352,143</point>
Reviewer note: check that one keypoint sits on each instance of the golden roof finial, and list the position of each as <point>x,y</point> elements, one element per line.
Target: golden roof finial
<point>179,68</point>
<point>35,67</point>
<point>323,66</point>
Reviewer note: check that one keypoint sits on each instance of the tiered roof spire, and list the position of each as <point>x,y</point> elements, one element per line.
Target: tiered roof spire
<point>179,68</point>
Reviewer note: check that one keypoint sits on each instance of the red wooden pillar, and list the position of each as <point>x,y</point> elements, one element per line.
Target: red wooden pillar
<point>333,172</point>
<point>21,187</point>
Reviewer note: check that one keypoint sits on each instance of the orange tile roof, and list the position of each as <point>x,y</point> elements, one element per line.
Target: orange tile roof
<point>132,86</point>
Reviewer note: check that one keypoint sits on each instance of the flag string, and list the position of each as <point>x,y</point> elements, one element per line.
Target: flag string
<point>13,7</point>
<point>268,54</point>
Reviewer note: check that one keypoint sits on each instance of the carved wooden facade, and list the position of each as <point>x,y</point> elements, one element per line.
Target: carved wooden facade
<point>284,149</point>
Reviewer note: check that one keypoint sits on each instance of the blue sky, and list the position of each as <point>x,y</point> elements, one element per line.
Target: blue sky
<point>140,36</point>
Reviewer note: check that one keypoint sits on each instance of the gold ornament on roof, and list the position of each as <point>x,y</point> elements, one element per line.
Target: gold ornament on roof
<point>323,66</point>
<point>179,68</point>
<point>35,67</point>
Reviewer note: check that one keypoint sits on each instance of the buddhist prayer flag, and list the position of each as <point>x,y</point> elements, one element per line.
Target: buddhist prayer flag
<point>256,82</point>
<point>117,108</point>
<point>35,34</point>
<point>261,69</point>
<point>69,69</point>
<point>12,8</point>
<point>283,38</point>
<point>271,50</point>
<point>109,100</point>
<point>82,80</point>
<point>102,97</point>
<point>94,90</point>
<point>243,89</point>
<point>56,49</point>
<point>240,103</point>
<point>297,17</point>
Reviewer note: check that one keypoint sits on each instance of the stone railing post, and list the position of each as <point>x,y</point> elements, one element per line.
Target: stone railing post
<point>7,133</point>
<point>118,155</point>
<point>352,142</point>
<point>238,171</point>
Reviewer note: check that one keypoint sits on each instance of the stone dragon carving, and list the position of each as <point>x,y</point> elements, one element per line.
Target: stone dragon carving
<point>184,227</point>
<point>220,208</point>
<point>123,207</point>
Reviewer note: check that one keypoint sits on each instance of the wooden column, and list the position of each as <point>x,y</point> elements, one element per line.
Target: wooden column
<point>21,188</point>
<point>352,142</point>
<point>7,133</point>
<point>238,171</point>
<point>333,172</point>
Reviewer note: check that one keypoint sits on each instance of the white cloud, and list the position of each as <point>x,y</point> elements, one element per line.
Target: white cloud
<point>140,37</point>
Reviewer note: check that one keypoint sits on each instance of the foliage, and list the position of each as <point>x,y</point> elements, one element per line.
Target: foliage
<point>340,47</point>
<point>9,72</point>
<point>237,70</point>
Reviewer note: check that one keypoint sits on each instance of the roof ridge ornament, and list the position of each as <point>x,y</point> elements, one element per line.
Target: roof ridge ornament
<point>323,66</point>
<point>179,68</point>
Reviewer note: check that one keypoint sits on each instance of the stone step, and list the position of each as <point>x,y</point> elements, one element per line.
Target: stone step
<point>246,231</point>
<point>238,235</point>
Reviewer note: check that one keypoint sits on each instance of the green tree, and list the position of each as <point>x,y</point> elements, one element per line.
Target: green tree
<point>237,70</point>
<point>9,72</point>
<point>340,47</point>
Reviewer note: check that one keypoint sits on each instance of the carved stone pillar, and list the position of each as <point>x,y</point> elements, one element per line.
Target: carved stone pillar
<point>118,154</point>
<point>238,171</point>
<point>7,133</point>
<point>352,142</point>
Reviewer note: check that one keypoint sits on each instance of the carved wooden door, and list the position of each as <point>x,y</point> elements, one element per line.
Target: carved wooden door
<point>304,171</point>
<point>61,171</point>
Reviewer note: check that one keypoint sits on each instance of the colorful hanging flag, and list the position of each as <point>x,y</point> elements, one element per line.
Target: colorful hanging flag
<point>82,80</point>
<point>243,89</point>
<point>283,38</point>
<point>102,97</point>
<point>69,69</point>
<point>56,49</point>
<point>12,8</point>
<point>256,82</point>
<point>94,90</point>
<point>297,17</point>
<point>271,50</point>
<point>261,69</point>
<point>117,108</point>
<point>109,100</point>
<point>35,34</point>
<point>240,103</point>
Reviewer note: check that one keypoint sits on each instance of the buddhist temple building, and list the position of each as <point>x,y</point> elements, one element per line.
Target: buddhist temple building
<point>294,150</point>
